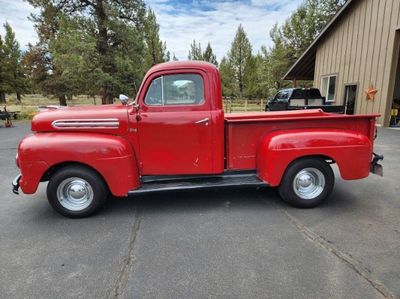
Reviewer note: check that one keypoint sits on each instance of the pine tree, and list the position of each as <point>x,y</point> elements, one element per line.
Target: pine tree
<point>195,51</point>
<point>15,79</point>
<point>155,48</point>
<point>292,38</point>
<point>209,55</point>
<point>226,71</point>
<point>3,72</point>
<point>118,30</point>
<point>238,57</point>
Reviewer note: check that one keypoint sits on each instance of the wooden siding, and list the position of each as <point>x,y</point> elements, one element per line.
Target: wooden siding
<point>362,49</point>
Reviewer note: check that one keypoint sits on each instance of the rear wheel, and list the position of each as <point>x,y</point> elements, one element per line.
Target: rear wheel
<point>76,191</point>
<point>307,182</point>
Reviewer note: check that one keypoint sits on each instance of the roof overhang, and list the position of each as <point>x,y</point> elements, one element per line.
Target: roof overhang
<point>303,68</point>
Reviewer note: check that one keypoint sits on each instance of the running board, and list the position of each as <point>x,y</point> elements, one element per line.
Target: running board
<point>176,183</point>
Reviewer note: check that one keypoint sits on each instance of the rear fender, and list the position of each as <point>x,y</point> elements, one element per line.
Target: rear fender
<point>351,151</point>
<point>111,156</point>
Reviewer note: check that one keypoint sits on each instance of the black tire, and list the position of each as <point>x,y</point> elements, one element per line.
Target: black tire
<point>294,190</point>
<point>82,180</point>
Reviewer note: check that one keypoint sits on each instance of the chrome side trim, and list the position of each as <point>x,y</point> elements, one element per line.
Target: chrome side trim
<point>106,123</point>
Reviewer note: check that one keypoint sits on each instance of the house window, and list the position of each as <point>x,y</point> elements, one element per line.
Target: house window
<point>328,88</point>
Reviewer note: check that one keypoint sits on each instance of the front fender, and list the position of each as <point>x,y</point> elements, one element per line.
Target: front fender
<point>351,151</point>
<point>111,156</point>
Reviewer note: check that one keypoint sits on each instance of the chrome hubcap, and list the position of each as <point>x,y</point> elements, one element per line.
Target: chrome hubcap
<point>309,183</point>
<point>75,194</point>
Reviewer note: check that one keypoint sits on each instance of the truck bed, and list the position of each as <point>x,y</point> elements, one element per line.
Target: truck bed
<point>244,130</point>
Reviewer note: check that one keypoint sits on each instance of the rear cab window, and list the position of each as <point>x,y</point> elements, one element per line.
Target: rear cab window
<point>314,94</point>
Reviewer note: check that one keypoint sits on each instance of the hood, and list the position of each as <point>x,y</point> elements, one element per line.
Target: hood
<point>111,119</point>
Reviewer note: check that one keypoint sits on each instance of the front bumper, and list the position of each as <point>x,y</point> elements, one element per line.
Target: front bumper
<point>15,184</point>
<point>376,168</point>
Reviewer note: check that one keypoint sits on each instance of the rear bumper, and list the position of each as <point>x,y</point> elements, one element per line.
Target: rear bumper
<point>15,184</point>
<point>376,168</point>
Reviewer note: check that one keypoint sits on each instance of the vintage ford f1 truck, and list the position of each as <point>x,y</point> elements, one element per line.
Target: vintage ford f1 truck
<point>175,135</point>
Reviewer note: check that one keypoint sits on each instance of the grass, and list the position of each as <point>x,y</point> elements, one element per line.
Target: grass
<point>30,104</point>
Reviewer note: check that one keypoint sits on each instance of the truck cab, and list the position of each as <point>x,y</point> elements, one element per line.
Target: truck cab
<point>175,136</point>
<point>179,120</point>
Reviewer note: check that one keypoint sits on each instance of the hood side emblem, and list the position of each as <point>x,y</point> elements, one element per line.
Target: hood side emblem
<point>106,123</point>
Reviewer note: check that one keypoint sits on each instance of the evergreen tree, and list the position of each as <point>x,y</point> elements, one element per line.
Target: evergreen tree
<point>15,80</point>
<point>3,73</point>
<point>74,55</point>
<point>226,72</point>
<point>118,32</point>
<point>155,48</point>
<point>209,55</point>
<point>292,38</point>
<point>304,25</point>
<point>238,57</point>
<point>195,51</point>
<point>252,77</point>
<point>43,74</point>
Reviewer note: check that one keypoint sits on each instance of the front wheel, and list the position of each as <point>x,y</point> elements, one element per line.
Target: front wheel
<point>76,191</point>
<point>307,183</point>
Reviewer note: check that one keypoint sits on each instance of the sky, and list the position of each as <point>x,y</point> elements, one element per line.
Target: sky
<point>182,21</point>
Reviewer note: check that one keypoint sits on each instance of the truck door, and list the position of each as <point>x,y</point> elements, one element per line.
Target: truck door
<point>174,125</point>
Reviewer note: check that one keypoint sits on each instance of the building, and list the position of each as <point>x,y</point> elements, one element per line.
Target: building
<point>355,60</point>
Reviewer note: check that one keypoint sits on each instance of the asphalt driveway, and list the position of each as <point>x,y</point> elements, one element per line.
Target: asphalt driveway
<point>216,244</point>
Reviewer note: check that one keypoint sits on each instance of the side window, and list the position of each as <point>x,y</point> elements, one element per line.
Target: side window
<point>282,96</point>
<point>154,93</point>
<point>183,89</point>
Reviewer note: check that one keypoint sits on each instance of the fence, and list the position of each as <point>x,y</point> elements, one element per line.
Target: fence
<point>243,105</point>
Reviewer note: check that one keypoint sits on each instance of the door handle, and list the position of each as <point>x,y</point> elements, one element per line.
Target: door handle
<point>204,120</point>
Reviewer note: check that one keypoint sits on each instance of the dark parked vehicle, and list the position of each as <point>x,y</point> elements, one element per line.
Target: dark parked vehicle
<point>301,98</point>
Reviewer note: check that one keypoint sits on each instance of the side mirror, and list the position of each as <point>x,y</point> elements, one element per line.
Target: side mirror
<point>124,99</point>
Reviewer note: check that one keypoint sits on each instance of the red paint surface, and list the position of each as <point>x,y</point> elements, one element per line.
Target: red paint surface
<point>154,140</point>
<point>351,150</point>
<point>111,156</point>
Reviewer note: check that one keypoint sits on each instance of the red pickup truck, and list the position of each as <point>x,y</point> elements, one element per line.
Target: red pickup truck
<point>175,135</point>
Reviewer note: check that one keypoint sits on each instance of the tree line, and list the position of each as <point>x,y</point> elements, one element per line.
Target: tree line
<point>12,76</point>
<point>93,47</point>
<point>104,47</point>
<point>260,76</point>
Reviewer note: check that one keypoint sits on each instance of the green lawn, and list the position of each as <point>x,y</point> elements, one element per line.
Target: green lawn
<point>31,102</point>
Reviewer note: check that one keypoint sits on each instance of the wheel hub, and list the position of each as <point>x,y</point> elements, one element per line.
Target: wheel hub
<point>309,183</point>
<point>305,180</point>
<point>75,194</point>
<point>77,190</point>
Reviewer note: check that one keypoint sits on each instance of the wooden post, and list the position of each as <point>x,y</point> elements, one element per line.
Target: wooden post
<point>294,83</point>
<point>261,105</point>
<point>245,105</point>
